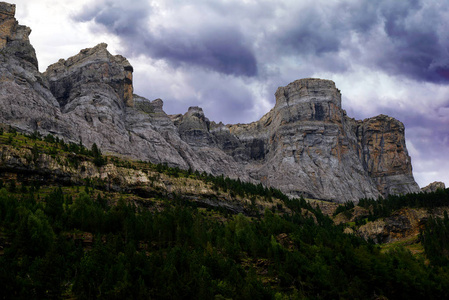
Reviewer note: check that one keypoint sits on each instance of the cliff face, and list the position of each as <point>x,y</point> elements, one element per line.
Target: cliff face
<point>385,155</point>
<point>95,94</point>
<point>82,73</point>
<point>306,145</point>
<point>14,37</point>
<point>25,100</point>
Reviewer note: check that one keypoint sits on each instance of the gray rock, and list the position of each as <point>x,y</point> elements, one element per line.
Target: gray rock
<point>433,187</point>
<point>306,145</point>
<point>25,100</point>
<point>384,155</point>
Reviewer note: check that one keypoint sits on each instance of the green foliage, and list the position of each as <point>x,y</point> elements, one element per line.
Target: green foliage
<point>12,130</point>
<point>95,150</point>
<point>178,252</point>
<point>435,239</point>
<point>383,207</point>
<point>99,160</point>
<point>86,245</point>
<point>345,208</point>
<point>36,135</point>
<point>54,204</point>
<point>50,139</point>
<point>35,153</point>
<point>12,186</point>
<point>85,214</point>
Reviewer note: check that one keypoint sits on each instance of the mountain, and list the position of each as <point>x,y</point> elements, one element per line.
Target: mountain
<point>306,145</point>
<point>75,224</point>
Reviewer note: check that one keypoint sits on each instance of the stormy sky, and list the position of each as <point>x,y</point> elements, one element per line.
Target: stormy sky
<point>229,56</point>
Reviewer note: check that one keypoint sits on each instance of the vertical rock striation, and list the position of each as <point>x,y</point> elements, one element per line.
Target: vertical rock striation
<point>25,100</point>
<point>306,145</point>
<point>385,156</point>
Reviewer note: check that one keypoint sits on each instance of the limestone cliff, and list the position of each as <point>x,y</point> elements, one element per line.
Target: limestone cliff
<point>82,73</point>
<point>14,37</point>
<point>25,100</point>
<point>94,92</point>
<point>385,155</point>
<point>306,145</point>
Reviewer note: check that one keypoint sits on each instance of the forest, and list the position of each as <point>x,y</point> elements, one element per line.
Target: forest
<point>83,242</point>
<point>185,252</point>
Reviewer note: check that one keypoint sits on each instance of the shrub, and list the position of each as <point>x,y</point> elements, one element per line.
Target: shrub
<point>98,158</point>
<point>12,186</point>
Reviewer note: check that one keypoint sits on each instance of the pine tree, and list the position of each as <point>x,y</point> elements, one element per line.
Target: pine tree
<point>96,153</point>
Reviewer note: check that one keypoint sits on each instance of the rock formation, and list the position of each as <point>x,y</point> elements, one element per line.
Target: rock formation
<point>25,100</point>
<point>306,145</point>
<point>385,155</point>
<point>433,187</point>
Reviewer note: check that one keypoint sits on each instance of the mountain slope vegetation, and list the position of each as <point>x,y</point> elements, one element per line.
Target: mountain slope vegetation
<point>186,235</point>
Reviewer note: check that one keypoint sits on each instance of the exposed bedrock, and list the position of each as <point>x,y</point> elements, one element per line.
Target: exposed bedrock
<point>306,145</point>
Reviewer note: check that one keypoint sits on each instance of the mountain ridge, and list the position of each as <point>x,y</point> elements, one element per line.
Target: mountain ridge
<point>305,146</point>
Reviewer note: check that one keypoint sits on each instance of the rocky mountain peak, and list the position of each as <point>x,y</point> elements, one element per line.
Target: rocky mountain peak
<point>14,38</point>
<point>7,11</point>
<point>7,22</point>
<point>307,90</point>
<point>158,104</point>
<point>91,66</point>
<point>385,155</point>
<point>195,111</point>
<point>309,99</point>
<point>433,187</point>
<point>194,127</point>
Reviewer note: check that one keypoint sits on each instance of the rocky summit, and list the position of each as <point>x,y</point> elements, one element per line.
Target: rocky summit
<point>305,146</point>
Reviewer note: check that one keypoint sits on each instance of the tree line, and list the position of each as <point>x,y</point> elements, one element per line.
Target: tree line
<point>384,207</point>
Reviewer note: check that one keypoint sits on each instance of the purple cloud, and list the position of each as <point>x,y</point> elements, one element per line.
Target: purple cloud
<point>216,47</point>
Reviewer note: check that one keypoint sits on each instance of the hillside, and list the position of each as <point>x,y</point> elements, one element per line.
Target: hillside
<point>77,224</point>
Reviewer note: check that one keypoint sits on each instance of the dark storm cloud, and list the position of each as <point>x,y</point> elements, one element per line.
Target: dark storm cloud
<point>417,41</point>
<point>117,17</point>
<point>405,38</point>
<point>419,47</point>
<point>231,103</point>
<point>309,30</point>
<point>218,47</point>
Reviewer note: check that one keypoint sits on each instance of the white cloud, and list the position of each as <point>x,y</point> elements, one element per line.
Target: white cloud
<point>54,34</point>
